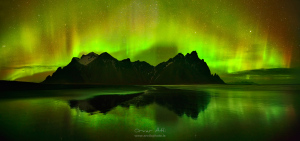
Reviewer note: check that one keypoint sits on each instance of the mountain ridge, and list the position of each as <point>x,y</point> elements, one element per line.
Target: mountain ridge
<point>105,69</point>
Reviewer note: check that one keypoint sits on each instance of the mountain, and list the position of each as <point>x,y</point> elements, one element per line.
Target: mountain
<point>105,69</point>
<point>188,69</point>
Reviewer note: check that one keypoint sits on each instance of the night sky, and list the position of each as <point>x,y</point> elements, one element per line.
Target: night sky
<point>37,36</point>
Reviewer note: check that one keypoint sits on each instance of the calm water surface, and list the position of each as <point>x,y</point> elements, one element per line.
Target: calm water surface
<point>206,112</point>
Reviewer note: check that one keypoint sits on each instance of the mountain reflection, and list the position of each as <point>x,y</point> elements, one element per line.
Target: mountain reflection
<point>179,101</point>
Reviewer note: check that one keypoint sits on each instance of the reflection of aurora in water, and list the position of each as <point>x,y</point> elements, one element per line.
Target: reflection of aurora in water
<point>231,113</point>
<point>229,35</point>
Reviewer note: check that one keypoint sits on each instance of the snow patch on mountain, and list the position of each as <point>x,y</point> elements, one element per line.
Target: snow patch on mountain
<point>86,59</point>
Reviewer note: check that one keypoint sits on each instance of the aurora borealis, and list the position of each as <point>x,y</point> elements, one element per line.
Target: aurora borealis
<point>38,36</point>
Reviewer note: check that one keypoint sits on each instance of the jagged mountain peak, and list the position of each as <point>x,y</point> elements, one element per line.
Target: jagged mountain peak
<point>91,54</point>
<point>126,60</point>
<point>189,57</point>
<point>106,55</point>
<point>179,56</point>
<point>86,59</point>
<point>74,60</point>
<point>193,55</point>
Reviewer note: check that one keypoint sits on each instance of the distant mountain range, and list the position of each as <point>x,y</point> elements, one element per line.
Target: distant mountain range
<point>105,69</point>
<point>264,76</point>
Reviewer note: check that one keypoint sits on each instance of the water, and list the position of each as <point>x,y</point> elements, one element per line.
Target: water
<point>205,112</point>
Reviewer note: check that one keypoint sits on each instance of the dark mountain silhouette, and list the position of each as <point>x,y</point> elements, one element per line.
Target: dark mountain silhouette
<point>181,102</point>
<point>105,69</point>
<point>188,69</point>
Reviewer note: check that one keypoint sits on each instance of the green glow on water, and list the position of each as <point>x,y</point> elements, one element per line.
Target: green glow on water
<point>229,111</point>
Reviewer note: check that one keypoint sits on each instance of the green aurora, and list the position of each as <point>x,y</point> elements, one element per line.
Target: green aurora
<point>40,35</point>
